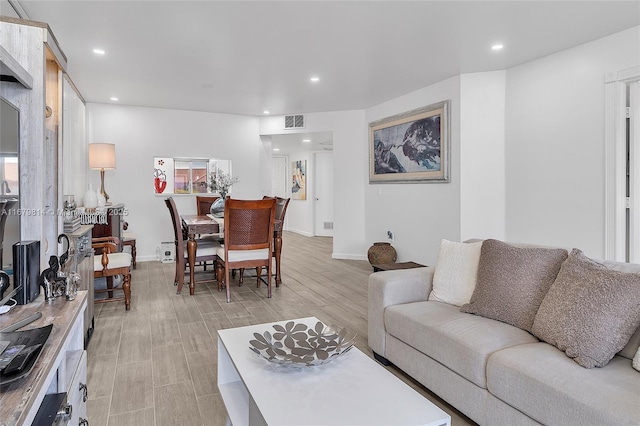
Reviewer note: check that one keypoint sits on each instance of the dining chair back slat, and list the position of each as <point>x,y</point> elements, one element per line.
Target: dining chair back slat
<point>248,228</point>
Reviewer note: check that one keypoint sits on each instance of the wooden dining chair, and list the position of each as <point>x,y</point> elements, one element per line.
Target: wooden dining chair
<point>109,264</point>
<point>205,252</point>
<point>281,211</point>
<point>129,240</point>
<point>248,240</point>
<point>203,204</point>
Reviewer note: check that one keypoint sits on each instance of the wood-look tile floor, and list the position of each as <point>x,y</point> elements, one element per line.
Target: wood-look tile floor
<point>156,364</point>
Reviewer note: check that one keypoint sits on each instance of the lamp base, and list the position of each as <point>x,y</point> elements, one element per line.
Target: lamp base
<point>102,191</point>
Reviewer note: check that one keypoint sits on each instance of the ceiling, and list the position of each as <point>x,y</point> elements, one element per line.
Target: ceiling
<point>245,57</point>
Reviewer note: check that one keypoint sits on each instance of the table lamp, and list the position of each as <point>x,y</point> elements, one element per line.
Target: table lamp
<point>102,156</point>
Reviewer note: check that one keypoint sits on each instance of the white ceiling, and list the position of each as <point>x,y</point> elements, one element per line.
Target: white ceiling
<point>244,57</point>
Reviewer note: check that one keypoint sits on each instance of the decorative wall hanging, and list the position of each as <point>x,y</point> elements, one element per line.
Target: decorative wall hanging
<point>411,147</point>
<point>299,180</point>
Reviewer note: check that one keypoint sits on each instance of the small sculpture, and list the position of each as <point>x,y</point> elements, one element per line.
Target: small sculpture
<point>53,284</point>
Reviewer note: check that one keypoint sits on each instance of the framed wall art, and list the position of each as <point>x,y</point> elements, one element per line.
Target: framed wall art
<point>411,147</point>
<point>299,180</point>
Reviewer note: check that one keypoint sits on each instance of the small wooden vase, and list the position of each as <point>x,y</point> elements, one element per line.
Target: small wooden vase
<point>382,253</point>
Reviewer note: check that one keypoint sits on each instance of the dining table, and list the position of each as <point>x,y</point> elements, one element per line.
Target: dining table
<point>209,224</point>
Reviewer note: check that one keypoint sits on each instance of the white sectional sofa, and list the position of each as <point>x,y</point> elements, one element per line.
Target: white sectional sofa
<point>493,372</point>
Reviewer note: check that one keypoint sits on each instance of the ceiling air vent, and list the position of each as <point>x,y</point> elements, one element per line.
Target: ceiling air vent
<point>293,121</point>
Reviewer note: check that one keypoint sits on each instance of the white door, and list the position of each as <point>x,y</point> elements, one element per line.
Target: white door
<point>279,177</point>
<point>633,174</point>
<point>323,194</point>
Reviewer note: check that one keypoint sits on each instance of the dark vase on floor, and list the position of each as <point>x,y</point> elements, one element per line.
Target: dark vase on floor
<point>382,253</point>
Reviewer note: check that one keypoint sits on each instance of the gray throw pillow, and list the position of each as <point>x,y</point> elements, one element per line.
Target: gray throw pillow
<point>590,311</point>
<point>512,281</point>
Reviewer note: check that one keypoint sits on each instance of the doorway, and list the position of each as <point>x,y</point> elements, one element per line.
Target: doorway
<point>622,166</point>
<point>302,213</point>
<point>633,173</point>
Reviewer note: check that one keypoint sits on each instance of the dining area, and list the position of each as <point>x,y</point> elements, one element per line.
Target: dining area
<point>245,234</point>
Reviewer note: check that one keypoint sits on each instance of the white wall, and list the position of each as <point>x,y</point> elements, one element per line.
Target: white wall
<point>482,167</point>
<point>555,143</point>
<point>420,214</point>
<point>142,133</point>
<point>350,174</point>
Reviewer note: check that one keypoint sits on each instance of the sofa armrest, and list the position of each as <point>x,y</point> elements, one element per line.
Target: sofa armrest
<point>393,288</point>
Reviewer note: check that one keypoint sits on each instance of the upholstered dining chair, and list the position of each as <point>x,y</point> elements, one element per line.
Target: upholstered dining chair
<point>206,249</point>
<point>108,264</point>
<point>248,240</point>
<point>281,211</point>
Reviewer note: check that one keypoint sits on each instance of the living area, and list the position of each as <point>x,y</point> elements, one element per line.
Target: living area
<point>533,138</point>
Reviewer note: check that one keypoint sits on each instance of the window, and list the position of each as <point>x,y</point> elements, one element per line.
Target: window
<point>190,177</point>
<point>185,175</point>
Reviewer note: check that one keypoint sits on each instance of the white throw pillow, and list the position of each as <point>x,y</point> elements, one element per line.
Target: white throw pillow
<point>636,360</point>
<point>455,273</point>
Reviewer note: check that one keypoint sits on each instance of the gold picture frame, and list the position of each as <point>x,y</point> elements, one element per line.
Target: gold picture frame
<point>411,147</point>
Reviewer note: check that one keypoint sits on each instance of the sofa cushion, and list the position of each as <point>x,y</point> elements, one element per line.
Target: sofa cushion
<point>636,360</point>
<point>590,311</point>
<point>543,383</point>
<point>456,268</point>
<point>459,341</point>
<point>632,347</point>
<point>512,281</point>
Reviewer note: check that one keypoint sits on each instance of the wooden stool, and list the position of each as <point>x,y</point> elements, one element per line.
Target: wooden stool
<point>129,239</point>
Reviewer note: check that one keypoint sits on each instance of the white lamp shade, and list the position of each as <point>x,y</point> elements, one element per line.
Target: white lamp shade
<point>102,156</point>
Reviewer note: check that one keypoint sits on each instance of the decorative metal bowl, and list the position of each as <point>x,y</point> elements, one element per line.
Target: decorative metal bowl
<point>297,345</point>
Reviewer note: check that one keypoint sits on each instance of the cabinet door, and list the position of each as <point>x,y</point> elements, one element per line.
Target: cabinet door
<point>77,393</point>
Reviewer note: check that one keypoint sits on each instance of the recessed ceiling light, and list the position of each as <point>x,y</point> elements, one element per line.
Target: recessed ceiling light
<point>265,111</point>
<point>306,140</point>
<point>314,79</point>
<point>497,46</point>
<point>276,149</point>
<point>113,98</point>
<point>99,51</point>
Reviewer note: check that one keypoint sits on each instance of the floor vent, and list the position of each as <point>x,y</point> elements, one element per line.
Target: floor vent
<point>293,121</point>
<point>328,225</point>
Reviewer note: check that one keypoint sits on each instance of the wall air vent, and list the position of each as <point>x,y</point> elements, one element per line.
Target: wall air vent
<point>328,225</point>
<point>294,121</point>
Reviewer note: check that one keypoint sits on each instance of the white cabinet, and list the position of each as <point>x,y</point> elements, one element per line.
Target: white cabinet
<point>77,391</point>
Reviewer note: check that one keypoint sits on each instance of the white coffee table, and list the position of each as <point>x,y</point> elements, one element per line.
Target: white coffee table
<point>352,390</point>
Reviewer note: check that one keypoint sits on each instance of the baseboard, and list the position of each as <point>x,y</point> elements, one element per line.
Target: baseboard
<point>152,258</point>
<point>345,256</point>
<point>305,233</point>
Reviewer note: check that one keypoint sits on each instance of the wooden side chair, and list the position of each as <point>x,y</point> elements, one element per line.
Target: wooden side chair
<point>203,204</point>
<point>248,240</point>
<point>108,264</point>
<point>281,211</point>
<point>129,239</point>
<point>206,249</point>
